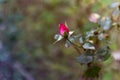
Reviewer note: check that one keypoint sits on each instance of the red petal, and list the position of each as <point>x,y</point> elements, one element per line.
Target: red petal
<point>63,29</point>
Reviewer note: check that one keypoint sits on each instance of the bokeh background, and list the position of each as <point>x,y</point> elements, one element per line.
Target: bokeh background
<point>27,29</point>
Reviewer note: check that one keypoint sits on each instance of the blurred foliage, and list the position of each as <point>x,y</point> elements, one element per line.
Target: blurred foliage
<point>28,36</point>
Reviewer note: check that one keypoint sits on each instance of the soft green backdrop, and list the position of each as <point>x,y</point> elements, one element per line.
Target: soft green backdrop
<point>34,24</point>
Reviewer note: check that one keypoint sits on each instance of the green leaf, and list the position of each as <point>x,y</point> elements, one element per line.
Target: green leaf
<point>103,53</point>
<point>70,33</point>
<point>92,72</point>
<point>89,34</point>
<point>58,37</point>
<point>67,44</point>
<point>72,39</point>
<point>81,40</point>
<point>101,36</point>
<point>106,23</point>
<point>84,59</point>
<point>88,45</point>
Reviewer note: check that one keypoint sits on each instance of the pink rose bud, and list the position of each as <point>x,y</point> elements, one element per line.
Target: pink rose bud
<point>116,55</point>
<point>94,17</point>
<point>63,28</point>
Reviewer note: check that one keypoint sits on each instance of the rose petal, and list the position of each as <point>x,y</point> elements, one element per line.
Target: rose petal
<point>63,29</point>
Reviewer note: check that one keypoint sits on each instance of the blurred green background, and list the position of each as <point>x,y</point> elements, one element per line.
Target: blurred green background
<point>27,29</point>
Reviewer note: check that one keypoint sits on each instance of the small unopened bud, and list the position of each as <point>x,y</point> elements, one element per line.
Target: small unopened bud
<point>94,17</point>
